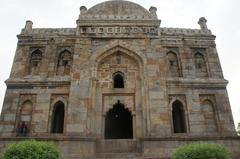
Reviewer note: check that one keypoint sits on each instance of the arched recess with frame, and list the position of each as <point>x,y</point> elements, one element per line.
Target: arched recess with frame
<point>57,116</point>
<point>201,69</point>
<point>64,62</point>
<point>133,74</point>
<point>178,113</point>
<point>174,67</point>
<point>210,116</point>
<point>24,114</point>
<point>35,61</point>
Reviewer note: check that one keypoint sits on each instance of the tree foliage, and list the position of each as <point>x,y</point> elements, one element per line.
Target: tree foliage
<point>31,150</point>
<point>201,151</point>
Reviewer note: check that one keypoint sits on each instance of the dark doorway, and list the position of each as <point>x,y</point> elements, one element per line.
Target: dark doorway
<point>58,118</point>
<point>118,81</point>
<point>118,123</point>
<point>178,115</point>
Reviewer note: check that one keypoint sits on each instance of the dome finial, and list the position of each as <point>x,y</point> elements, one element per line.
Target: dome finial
<point>28,27</point>
<point>153,11</point>
<point>203,23</point>
<point>83,10</point>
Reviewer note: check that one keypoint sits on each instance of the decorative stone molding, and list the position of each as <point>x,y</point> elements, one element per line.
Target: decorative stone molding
<point>183,31</point>
<point>117,31</point>
<point>210,97</point>
<point>182,98</point>
<point>63,48</point>
<point>34,48</point>
<point>199,50</point>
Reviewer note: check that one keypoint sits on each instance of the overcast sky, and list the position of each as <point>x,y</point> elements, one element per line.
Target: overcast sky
<point>223,19</point>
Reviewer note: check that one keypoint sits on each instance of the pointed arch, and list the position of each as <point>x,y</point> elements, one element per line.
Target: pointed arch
<point>200,65</point>
<point>173,64</point>
<point>109,54</point>
<point>58,114</point>
<point>118,123</point>
<point>178,117</point>
<point>35,62</point>
<point>64,62</point>
<point>209,116</point>
<point>101,54</point>
<point>107,64</point>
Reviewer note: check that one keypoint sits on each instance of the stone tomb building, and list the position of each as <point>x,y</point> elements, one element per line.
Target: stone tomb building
<point>118,85</point>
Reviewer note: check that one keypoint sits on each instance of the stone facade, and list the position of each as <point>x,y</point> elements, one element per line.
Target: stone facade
<point>165,86</point>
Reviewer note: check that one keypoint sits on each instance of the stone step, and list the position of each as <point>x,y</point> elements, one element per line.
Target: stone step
<point>119,146</point>
<point>126,157</point>
<point>118,155</point>
<point>122,158</point>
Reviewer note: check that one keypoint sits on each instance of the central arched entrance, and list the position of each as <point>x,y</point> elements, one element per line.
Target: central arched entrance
<point>118,123</point>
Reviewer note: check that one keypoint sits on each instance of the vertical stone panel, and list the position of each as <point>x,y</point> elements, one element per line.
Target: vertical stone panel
<point>41,112</point>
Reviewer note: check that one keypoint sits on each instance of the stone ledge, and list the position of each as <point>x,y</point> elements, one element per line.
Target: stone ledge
<point>50,138</point>
<point>31,84</point>
<point>190,138</point>
<point>185,31</point>
<point>53,31</point>
<point>204,82</point>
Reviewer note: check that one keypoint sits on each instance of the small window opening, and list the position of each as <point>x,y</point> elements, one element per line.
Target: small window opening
<point>84,30</point>
<point>171,63</point>
<point>118,81</point>
<point>199,65</point>
<point>65,63</point>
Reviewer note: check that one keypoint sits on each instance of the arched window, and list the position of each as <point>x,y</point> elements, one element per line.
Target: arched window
<point>200,65</point>
<point>118,80</point>
<point>173,67</point>
<point>64,63</point>
<point>35,62</point>
<point>178,117</point>
<point>209,116</point>
<point>58,118</point>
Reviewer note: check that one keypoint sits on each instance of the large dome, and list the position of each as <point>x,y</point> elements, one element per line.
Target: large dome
<point>119,9</point>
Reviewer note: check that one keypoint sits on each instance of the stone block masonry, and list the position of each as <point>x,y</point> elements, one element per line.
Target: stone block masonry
<point>118,85</point>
